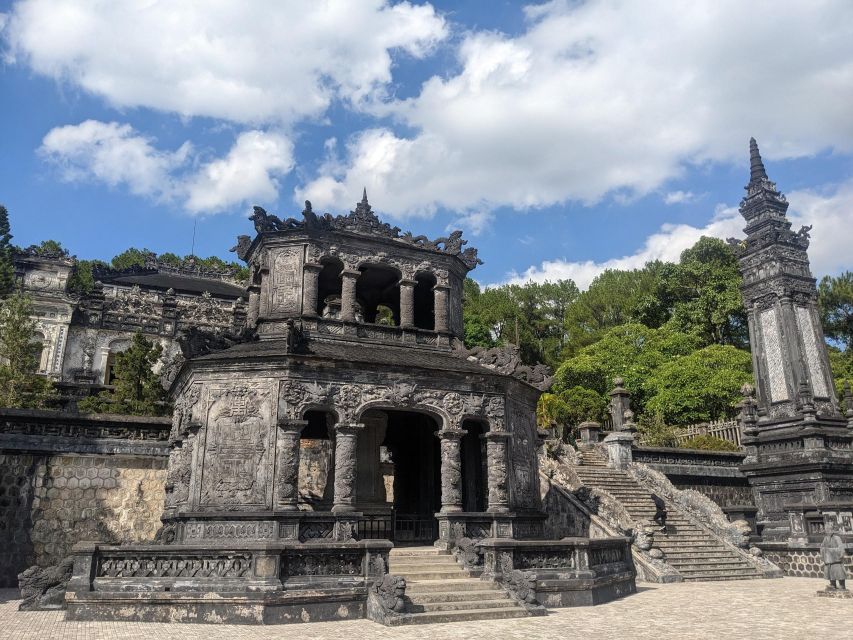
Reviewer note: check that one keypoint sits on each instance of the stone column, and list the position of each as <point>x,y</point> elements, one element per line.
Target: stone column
<point>346,445</point>
<point>348,280</point>
<point>407,303</point>
<point>451,469</point>
<point>287,463</point>
<point>440,291</point>
<point>498,471</point>
<point>310,287</point>
<point>620,402</point>
<point>254,306</point>
<point>619,449</point>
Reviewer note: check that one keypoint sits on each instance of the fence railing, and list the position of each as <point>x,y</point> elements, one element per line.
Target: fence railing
<point>723,429</point>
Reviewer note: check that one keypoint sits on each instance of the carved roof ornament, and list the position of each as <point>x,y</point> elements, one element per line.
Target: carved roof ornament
<point>507,360</point>
<point>361,220</point>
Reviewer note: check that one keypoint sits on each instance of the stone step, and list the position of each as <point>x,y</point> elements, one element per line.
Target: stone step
<point>455,596</point>
<point>718,578</point>
<point>503,603</point>
<point>678,553</point>
<point>729,574</point>
<point>431,574</point>
<point>417,587</point>
<point>689,566</point>
<point>715,570</point>
<point>416,551</point>
<point>420,561</point>
<point>431,617</point>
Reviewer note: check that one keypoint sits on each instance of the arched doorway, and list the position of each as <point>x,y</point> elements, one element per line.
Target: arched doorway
<point>399,476</point>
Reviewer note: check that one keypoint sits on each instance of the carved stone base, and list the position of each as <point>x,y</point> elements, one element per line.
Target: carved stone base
<point>835,593</point>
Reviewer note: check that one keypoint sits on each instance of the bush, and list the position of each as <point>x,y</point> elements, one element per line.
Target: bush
<point>709,443</point>
<point>655,432</point>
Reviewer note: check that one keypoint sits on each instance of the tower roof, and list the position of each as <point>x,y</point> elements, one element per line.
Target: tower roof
<point>756,166</point>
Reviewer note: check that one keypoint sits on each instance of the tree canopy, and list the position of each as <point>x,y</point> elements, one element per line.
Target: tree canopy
<point>20,348</point>
<point>7,267</point>
<point>835,297</point>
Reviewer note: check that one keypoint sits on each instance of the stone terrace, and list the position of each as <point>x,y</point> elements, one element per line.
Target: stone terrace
<point>755,609</point>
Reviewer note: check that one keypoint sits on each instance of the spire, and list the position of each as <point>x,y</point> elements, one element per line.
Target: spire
<point>756,166</point>
<point>364,196</point>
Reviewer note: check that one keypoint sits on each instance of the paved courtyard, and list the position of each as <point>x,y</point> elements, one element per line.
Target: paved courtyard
<point>754,609</point>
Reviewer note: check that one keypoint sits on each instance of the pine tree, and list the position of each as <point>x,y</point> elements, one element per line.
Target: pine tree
<point>7,267</point>
<point>20,384</point>
<point>138,390</point>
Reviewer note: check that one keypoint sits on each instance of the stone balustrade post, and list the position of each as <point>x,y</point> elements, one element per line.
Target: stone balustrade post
<point>407,303</point>
<point>254,306</point>
<point>619,449</point>
<point>590,432</point>
<point>451,469</point>
<point>346,446</point>
<point>498,471</point>
<point>348,301</point>
<point>287,463</point>
<point>440,292</point>
<point>310,288</point>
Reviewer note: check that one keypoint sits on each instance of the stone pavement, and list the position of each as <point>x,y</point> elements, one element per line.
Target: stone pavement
<point>754,609</point>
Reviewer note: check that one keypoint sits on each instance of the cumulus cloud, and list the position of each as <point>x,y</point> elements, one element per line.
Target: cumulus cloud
<point>828,210</point>
<point>606,97</point>
<point>247,62</point>
<point>117,155</point>
<point>475,222</point>
<point>679,197</point>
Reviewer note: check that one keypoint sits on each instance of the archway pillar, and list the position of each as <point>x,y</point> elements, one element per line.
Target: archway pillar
<point>498,471</point>
<point>451,470</point>
<point>407,303</point>
<point>348,282</point>
<point>441,291</point>
<point>346,446</point>
<point>287,463</point>
<point>310,288</point>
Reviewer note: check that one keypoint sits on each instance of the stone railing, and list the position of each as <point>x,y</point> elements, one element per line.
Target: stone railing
<point>552,572</point>
<point>61,432</point>
<point>724,429</point>
<point>672,460</point>
<point>265,582</point>
<point>334,328</point>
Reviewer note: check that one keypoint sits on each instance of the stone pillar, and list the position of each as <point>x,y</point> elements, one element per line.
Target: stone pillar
<point>590,432</point>
<point>287,463</point>
<point>498,471</point>
<point>407,303</point>
<point>440,292</point>
<point>254,306</point>
<point>620,402</point>
<point>348,280</point>
<point>310,288</point>
<point>451,469</point>
<point>619,453</point>
<point>346,445</point>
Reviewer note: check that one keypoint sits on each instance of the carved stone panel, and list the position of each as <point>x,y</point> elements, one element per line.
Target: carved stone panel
<point>812,355</point>
<point>286,276</point>
<point>773,355</point>
<point>238,445</point>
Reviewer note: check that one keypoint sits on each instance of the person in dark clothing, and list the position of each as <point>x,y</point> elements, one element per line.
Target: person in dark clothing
<point>660,512</point>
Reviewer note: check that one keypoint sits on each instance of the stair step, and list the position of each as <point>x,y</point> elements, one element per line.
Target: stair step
<point>465,615</point>
<point>416,551</point>
<point>455,596</point>
<point>418,587</point>
<point>425,561</point>
<point>424,574</point>
<point>464,605</point>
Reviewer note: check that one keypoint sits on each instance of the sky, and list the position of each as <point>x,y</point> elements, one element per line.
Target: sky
<point>563,138</point>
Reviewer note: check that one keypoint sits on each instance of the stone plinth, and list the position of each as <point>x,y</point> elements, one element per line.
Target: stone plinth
<point>619,454</point>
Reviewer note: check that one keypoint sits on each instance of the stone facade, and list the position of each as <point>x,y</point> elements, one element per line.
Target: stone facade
<point>799,447</point>
<point>80,334</point>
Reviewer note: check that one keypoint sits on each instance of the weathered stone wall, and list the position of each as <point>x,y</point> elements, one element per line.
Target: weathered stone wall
<point>801,562</point>
<point>50,502</point>
<point>725,492</point>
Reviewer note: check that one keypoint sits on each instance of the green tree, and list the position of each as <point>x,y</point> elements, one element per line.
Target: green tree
<point>131,257</point>
<point>709,443</point>
<point>701,295</point>
<point>835,297</point>
<point>7,266</point>
<point>700,386</point>
<point>137,388</point>
<point>82,279</point>
<point>612,299</point>
<point>20,384</point>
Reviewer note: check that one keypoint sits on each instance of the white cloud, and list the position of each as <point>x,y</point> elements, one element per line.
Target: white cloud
<point>247,172</point>
<point>116,155</point>
<point>475,222</point>
<point>679,197</point>
<point>607,96</point>
<point>113,154</point>
<point>248,62</point>
<point>830,211</point>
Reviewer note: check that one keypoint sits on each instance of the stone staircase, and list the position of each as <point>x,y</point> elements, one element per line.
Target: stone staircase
<point>439,590</point>
<point>691,549</point>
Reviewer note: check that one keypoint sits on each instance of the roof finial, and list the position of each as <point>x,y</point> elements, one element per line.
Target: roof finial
<point>364,196</point>
<point>756,166</point>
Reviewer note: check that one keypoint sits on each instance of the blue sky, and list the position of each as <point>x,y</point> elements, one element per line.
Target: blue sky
<point>563,138</point>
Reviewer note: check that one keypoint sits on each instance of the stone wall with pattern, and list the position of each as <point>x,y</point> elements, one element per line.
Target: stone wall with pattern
<point>802,562</point>
<point>49,502</point>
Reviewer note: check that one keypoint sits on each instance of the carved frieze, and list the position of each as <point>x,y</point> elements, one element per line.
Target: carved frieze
<point>813,359</point>
<point>773,355</point>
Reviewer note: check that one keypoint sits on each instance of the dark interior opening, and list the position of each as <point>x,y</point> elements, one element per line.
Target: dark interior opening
<point>329,288</point>
<point>377,286</point>
<point>424,301</point>
<point>473,470</point>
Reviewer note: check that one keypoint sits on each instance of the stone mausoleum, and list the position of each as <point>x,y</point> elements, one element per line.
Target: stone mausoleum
<point>353,338</point>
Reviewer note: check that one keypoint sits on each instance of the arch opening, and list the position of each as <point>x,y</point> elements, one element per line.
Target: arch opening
<point>377,287</point>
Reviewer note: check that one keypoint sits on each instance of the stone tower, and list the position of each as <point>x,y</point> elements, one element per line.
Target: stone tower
<point>799,458</point>
<point>789,355</point>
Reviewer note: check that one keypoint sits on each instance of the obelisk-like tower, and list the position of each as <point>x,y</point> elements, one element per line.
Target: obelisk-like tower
<point>789,355</point>
<point>799,458</point>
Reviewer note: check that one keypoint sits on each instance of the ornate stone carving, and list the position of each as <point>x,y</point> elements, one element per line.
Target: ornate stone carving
<point>773,355</point>
<point>520,584</point>
<point>345,466</point>
<point>451,469</point>
<point>43,588</point>
<point>215,565</point>
<point>506,360</point>
<point>806,327</point>
<point>497,471</point>
<point>286,274</point>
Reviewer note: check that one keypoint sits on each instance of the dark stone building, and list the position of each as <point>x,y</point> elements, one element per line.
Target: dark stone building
<point>354,337</point>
